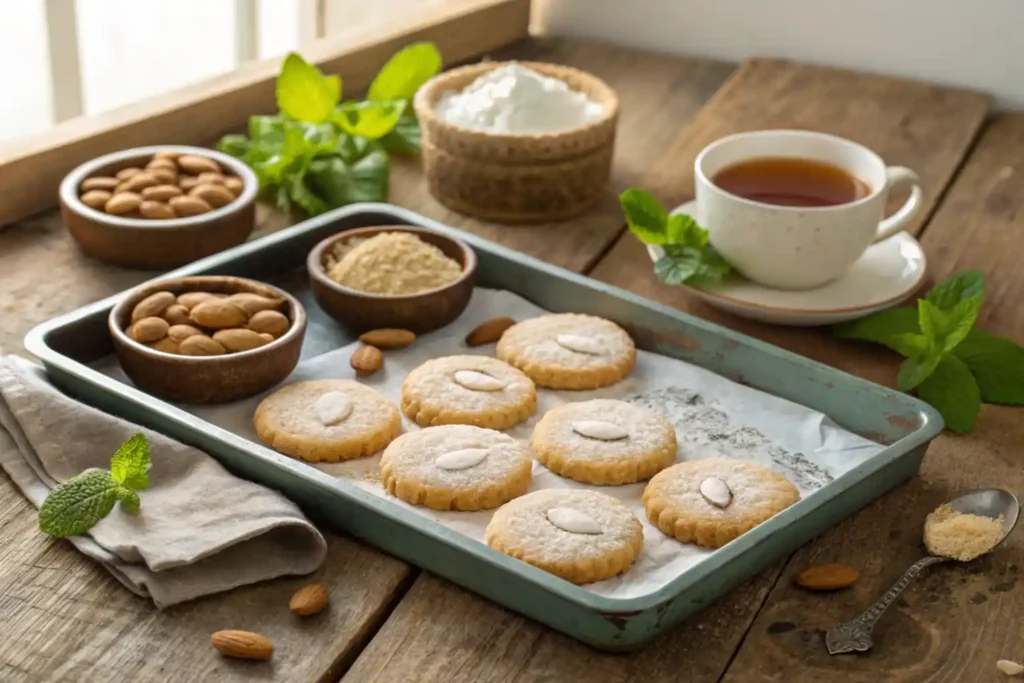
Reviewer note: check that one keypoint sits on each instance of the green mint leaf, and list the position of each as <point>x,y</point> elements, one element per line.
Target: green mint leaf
<point>405,72</point>
<point>677,267</point>
<point>305,94</point>
<point>405,138</point>
<point>131,461</point>
<point>301,194</point>
<point>645,216</point>
<point>887,328</point>
<point>997,365</point>
<point>129,500</point>
<point>237,146</point>
<point>370,120</point>
<point>909,344</point>
<point>74,507</point>
<point>329,177</point>
<point>956,288</point>
<point>682,229</point>
<point>952,390</point>
<point>370,177</point>
<point>916,369</point>
<point>713,268</point>
<point>945,328</point>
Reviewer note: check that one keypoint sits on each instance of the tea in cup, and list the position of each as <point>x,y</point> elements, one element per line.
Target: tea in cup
<point>795,209</point>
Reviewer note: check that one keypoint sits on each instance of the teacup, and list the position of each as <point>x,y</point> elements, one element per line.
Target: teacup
<point>798,247</point>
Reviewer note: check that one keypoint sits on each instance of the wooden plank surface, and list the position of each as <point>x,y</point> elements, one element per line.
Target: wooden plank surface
<point>195,114</point>
<point>929,129</point>
<point>42,274</point>
<point>955,622</point>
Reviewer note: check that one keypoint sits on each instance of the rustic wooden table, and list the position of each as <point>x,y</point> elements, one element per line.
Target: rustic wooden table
<point>65,619</point>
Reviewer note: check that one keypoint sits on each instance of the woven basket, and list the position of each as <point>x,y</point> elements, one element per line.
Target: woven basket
<point>517,178</point>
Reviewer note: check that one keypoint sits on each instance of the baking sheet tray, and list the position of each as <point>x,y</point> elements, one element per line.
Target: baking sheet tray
<point>76,351</point>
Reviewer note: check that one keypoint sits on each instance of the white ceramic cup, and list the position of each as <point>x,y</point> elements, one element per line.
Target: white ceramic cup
<point>795,247</point>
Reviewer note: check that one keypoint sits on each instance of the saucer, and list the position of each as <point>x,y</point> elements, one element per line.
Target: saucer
<point>888,273</point>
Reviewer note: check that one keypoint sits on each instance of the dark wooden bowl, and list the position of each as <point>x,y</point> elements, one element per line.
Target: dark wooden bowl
<point>423,312</point>
<point>156,244</point>
<point>207,379</point>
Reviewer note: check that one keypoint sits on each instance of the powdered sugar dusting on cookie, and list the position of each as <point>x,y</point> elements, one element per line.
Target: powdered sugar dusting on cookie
<point>415,455</point>
<point>523,525</point>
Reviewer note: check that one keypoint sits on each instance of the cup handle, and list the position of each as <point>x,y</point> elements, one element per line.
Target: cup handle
<point>897,175</point>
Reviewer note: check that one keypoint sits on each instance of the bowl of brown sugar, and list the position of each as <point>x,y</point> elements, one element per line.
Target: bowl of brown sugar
<point>392,276</point>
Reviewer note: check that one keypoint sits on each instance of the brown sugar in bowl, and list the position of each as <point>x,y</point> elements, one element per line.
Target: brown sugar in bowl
<point>517,178</point>
<point>156,244</point>
<point>207,379</point>
<point>419,313</point>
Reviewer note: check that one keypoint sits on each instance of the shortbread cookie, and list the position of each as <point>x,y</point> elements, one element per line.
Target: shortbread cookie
<point>327,420</point>
<point>581,536</point>
<point>456,467</point>
<point>711,502</point>
<point>470,390</point>
<point>569,351</point>
<point>604,442</point>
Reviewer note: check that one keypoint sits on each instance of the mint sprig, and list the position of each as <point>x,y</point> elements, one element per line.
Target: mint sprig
<point>688,256</point>
<point>74,507</point>
<point>320,153</point>
<point>950,364</point>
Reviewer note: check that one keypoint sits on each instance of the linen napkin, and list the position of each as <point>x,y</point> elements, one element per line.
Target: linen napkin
<point>200,530</point>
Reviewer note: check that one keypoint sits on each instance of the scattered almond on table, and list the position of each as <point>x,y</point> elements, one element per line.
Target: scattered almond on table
<point>367,360</point>
<point>388,338</point>
<point>207,324</point>
<point>309,600</point>
<point>489,331</point>
<point>171,185</point>
<point>827,577</point>
<point>242,644</point>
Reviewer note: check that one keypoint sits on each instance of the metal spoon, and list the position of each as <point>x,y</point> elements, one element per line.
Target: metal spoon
<point>855,635</point>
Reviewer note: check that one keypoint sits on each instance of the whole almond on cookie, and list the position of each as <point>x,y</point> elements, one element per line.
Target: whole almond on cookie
<point>218,314</point>
<point>827,577</point>
<point>309,600</point>
<point>242,645</point>
<point>489,331</point>
<point>388,338</point>
<point>367,360</point>
<point>152,305</point>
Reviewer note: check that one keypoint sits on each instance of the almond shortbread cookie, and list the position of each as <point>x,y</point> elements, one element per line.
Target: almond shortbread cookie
<point>471,390</point>
<point>604,442</point>
<point>569,351</point>
<point>713,501</point>
<point>456,467</point>
<point>581,536</point>
<point>327,420</point>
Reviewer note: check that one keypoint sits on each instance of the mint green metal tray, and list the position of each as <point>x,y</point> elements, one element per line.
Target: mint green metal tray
<point>69,344</point>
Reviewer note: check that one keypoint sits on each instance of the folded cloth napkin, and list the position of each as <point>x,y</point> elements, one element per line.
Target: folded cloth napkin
<point>200,530</point>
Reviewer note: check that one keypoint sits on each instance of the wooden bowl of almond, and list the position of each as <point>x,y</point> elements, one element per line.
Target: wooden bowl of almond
<point>207,339</point>
<point>159,207</point>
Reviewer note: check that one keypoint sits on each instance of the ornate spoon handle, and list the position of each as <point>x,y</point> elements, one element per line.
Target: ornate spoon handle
<point>855,635</point>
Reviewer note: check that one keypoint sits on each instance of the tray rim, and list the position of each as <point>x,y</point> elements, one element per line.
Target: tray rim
<point>931,423</point>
